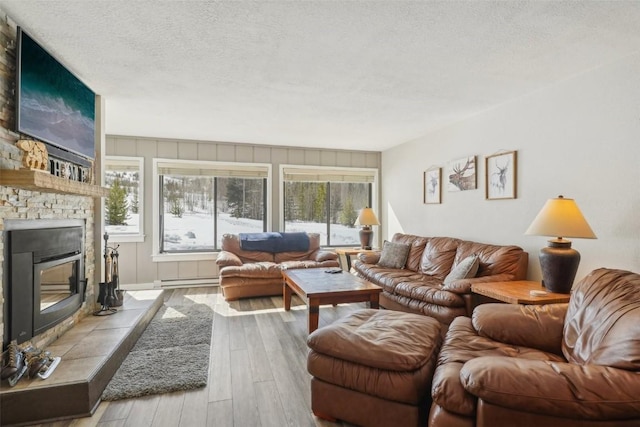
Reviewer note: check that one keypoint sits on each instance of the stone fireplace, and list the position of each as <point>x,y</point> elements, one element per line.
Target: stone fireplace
<point>43,275</point>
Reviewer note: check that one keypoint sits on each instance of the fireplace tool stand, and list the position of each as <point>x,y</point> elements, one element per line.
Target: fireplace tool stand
<point>107,297</point>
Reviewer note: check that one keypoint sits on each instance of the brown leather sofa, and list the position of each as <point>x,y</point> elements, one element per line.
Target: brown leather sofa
<point>575,364</point>
<point>419,287</point>
<point>257,273</point>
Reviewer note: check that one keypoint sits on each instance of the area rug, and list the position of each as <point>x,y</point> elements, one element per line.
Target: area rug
<point>171,355</point>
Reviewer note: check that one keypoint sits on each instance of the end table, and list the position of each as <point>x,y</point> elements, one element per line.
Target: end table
<point>518,292</point>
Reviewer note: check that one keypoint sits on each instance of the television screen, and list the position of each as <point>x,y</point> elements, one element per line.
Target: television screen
<point>53,105</point>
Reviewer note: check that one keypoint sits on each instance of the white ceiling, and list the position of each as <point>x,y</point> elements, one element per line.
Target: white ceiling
<point>364,75</point>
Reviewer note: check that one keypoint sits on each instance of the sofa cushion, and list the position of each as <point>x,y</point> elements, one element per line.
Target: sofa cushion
<point>255,269</point>
<point>467,268</point>
<point>417,245</point>
<point>314,246</point>
<point>602,324</point>
<point>494,259</point>
<point>429,292</point>
<point>231,243</point>
<point>380,339</point>
<point>394,255</point>
<point>462,344</point>
<point>438,256</point>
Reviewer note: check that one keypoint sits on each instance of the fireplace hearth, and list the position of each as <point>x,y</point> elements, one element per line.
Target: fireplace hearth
<point>44,280</point>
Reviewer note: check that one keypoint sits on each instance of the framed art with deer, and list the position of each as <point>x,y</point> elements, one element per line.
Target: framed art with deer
<point>432,186</point>
<point>462,174</point>
<point>500,182</point>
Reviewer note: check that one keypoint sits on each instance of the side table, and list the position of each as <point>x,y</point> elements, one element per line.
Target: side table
<point>347,253</point>
<point>518,292</point>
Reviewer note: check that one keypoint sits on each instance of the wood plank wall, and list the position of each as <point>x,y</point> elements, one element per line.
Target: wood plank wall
<point>138,266</point>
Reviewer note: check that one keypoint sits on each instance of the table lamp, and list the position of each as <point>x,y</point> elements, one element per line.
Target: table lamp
<point>366,218</point>
<point>560,218</point>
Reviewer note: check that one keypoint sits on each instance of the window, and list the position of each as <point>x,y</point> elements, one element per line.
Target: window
<point>326,201</point>
<point>198,202</point>
<point>124,205</point>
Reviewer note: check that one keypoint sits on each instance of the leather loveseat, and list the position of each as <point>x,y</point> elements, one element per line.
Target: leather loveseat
<point>569,365</point>
<point>248,273</point>
<point>419,285</point>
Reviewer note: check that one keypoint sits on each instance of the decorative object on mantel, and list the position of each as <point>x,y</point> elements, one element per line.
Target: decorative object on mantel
<point>34,154</point>
<point>500,170</point>
<point>432,185</point>
<point>462,174</point>
<point>560,218</point>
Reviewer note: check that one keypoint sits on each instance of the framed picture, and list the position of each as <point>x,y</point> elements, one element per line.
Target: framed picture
<point>432,186</point>
<point>500,182</point>
<point>462,174</point>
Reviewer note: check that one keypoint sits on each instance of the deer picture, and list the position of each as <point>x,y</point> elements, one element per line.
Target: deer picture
<point>499,178</point>
<point>464,177</point>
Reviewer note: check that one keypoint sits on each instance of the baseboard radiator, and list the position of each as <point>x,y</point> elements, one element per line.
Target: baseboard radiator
<point>185,283</point>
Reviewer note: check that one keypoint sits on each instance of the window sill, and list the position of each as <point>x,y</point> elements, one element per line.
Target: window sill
<point>201,256</point>
<point>126,238</point>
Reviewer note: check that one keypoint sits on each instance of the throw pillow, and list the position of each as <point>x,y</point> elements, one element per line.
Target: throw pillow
<point>467,268</point>
<point>394,255</point>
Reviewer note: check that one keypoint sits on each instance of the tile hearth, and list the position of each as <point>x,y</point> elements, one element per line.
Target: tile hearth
<point>91,352</point>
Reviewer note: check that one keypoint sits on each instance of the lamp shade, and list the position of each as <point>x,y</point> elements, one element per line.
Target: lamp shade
<point>561,217</point>
<point>367,217</point>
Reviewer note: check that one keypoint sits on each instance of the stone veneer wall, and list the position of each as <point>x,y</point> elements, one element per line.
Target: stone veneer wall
<point>16,203</point>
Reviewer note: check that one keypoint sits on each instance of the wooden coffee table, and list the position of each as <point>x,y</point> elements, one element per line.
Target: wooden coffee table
<point>317,287</point>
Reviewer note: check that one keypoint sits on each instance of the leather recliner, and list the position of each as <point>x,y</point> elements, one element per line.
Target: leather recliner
<point>575,364</point>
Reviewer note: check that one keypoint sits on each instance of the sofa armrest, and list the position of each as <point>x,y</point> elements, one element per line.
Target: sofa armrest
<point>369,257</point>
<point>535,326</point>
<point>551,388</point>
<point>321,255</point>
<point>463,286</point>
<point>226,258</point>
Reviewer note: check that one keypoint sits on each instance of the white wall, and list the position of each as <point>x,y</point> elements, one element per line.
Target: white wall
<point>579,138</point>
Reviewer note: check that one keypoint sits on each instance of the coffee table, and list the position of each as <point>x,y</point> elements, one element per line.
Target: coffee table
<point>316,287</point>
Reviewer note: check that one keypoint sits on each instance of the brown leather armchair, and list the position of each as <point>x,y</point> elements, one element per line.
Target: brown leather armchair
<point>575,364</point>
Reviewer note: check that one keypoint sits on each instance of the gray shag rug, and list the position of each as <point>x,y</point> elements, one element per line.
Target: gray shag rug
<point>171,355</point>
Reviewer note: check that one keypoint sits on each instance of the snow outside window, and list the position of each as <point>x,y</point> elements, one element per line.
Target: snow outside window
<point>201,201</point>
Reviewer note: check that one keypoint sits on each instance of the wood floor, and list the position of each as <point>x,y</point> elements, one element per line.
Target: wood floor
<point>257,370</point>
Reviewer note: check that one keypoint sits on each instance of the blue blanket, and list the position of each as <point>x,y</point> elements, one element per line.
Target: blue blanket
<point>274,242</point>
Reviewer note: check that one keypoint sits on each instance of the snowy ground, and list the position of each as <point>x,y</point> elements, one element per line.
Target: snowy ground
<point>195,231</point>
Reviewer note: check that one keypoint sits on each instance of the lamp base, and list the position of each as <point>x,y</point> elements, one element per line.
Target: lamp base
<point>366,234</point>
<point>559,264</point>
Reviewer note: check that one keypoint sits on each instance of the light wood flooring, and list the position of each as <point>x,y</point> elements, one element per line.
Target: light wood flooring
<point>257,370</point>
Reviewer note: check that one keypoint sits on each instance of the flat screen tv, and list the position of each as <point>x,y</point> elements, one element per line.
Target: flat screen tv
<point>53,105</point>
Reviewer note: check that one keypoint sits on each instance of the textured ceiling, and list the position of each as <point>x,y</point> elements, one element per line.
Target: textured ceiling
<point>358,75</point>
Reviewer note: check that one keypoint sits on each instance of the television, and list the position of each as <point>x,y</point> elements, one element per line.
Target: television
<point>53,105</point>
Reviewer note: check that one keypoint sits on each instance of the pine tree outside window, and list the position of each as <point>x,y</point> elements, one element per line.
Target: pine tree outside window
<point>123,207</point>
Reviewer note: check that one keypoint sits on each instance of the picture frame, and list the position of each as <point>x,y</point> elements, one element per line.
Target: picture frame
<point>432,186</point>
<point>462,174</point>
<point>500,176</point>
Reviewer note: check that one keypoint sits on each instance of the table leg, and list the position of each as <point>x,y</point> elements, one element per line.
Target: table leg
<point>314,312</point>
<point>374,301</point>
<point>286,296</point>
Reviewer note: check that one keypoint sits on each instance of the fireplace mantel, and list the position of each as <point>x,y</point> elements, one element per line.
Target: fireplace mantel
<point>44,182</point>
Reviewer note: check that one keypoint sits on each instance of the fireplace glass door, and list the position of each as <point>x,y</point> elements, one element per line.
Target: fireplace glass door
<point>57,283</point>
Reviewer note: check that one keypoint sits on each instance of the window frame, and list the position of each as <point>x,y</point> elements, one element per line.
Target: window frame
<point>128,161</point>
<point>158,163</point>
<point>324,171</point>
